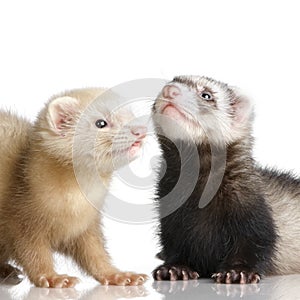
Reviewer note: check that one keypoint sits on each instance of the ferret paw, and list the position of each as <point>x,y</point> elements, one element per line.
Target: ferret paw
<point>10,274</point>
<point>123,278</point>
<point>57,281</point>
<point>174,272</point>
<point>234,276</point>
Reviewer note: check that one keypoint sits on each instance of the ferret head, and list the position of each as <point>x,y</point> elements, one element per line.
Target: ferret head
<point>200,109</point>
<point>91,126</point>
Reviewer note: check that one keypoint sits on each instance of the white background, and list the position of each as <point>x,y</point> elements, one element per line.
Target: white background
<point>50,46</point>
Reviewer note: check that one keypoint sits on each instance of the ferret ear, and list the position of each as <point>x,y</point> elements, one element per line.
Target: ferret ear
<point>62,113</point>
<point>242,107</point>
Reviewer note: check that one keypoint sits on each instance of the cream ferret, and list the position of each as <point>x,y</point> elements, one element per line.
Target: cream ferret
<point>54,176</point>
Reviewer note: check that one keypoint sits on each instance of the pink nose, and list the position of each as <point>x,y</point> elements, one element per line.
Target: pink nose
<point>139,131</point>
<point>171,92</point>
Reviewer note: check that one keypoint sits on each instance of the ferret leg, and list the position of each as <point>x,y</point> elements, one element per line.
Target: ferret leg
<point>89,252</point>
<point>36,259</point>
<point>242,266</point>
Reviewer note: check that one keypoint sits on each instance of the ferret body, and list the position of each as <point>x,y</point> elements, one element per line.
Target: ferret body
<point>45,205</point>
<point>249,225</point>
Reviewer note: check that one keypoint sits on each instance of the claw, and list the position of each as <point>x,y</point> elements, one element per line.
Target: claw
<point>254,279</point>
<point>228,278</point>
<point>43,282</point>
<point>185,275</point>
<point>194,275</point>
<point>243,278</point>
<point>173,275</point>
<point>158,277</point>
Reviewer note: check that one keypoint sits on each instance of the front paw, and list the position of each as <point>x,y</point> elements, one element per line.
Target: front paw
<point>123,278</point>
<point>236,276</point>
<point>56,281</point>
<point>174,272</point>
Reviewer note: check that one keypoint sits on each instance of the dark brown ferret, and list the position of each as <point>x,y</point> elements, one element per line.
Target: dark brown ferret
<point>221,215</point>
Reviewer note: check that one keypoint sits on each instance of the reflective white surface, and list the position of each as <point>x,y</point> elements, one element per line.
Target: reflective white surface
<point>275,288</point>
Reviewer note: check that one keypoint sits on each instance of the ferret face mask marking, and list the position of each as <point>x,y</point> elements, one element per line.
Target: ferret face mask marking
<point>205,109</point>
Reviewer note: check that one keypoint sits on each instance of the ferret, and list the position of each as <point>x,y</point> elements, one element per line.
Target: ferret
<point>54,175</point>
<point>221,214</point>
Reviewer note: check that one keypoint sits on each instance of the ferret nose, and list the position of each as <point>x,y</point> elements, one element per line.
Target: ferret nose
<point>171,92</point>
<point>139,131</point>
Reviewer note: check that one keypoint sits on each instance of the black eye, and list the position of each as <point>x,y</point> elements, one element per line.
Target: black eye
<point>101,123</point>
<point>206,96</point>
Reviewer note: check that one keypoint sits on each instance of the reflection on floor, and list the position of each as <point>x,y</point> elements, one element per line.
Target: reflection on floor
<point>276,288</point>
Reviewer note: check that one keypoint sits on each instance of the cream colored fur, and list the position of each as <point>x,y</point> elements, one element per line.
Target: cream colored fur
<point>42,207</point>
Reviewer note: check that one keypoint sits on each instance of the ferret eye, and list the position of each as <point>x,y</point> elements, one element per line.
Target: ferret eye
<point>101,123</point>
<point>206,96</point>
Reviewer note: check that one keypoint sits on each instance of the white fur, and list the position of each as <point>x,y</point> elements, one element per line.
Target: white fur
<point>225,123</point>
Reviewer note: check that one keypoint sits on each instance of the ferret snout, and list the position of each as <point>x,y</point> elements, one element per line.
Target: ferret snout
<point>139,131</point>
<point>171,92</point>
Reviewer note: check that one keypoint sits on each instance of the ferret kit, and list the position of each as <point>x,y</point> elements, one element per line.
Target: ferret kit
<point>54,175</point>
<point>221,215</point>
